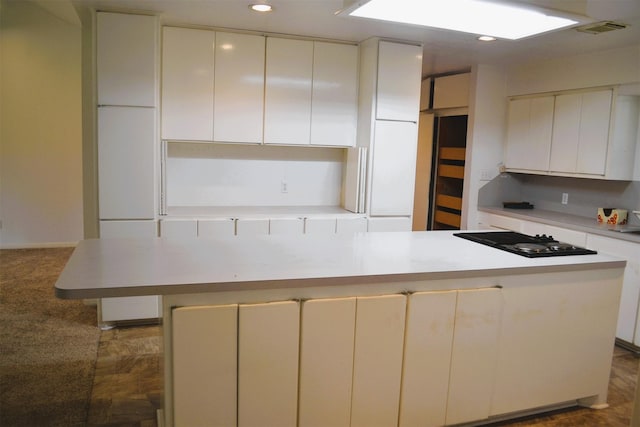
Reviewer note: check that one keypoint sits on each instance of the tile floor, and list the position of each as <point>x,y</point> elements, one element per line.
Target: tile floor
<point>127,388</point>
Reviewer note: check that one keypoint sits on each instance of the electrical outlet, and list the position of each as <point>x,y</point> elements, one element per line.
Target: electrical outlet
<point>565,198</point>
<point>485,175</point>
<point>284,188</point>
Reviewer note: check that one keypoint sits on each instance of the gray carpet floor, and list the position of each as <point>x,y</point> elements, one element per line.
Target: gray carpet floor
<point>48,346</point>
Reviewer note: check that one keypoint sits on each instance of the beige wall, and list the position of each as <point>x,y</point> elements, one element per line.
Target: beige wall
<point>614,66</point>
<point>40,127</point>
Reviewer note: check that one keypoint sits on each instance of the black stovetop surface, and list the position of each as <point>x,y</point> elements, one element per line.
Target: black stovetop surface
<point>525,245</point>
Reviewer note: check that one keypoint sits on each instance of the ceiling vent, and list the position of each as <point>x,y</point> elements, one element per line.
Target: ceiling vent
<point>601,27</point>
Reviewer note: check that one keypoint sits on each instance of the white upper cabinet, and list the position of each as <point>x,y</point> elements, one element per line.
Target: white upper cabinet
<point>212,86</point>
<point>289,70</point>
<point>581,132</point>
<point>398,90</point>
<point>239,88</point>
<point>126,59</point>
<point>529,133</point>
<point>187,84</point>
<point>587,134</point>
<point>334,94</point>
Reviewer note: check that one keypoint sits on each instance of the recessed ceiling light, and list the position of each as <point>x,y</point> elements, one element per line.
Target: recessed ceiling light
<point>486,39</point>
<point>261,7</point>
<point>497,19</point>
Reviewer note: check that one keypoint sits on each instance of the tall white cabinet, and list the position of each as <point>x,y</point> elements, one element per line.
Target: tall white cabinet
<point>389,102</point>
<point>126,64</point>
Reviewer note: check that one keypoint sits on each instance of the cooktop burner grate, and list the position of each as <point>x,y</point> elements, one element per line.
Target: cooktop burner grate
<point>524,245</point>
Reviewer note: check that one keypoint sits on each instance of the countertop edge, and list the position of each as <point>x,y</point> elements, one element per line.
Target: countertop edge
<point>176,289</point>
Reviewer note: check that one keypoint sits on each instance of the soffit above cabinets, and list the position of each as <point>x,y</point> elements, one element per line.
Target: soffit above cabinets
<point>444,51</point>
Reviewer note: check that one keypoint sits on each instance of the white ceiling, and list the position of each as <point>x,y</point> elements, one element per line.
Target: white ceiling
<point>444,51</point>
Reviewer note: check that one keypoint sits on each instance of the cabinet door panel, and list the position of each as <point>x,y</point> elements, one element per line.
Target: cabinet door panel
<point>399,79</point>
<point>126,59</point>
<point>219,227</point>
<point>250,226</point>
<point>319,225</point>
<point>566,133</point>
<point>393,168</point>
<point>594,132</point>
<point>126,160</point>
<point>179,228</point>
<point>287,115</point>
<point>529,133</point>
<point>129,308</point>
<point>334,98</point>
<point>205,365</point>
<point>377,361</point>
<point>351,225</point>
<point>268,364</point>
<point>120,229</point>
<point>427,357</point>
<point>187,84</point>
<point>326,362</point>
<point>474,352</point>
<point>286,226</point>
<point>239,88</point>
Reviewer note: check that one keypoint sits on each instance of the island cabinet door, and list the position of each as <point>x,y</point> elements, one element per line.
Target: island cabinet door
<point>377,360</point>
<point>268,341</point>
<point>427,357</point>
<point>474,353</point>
<point>326,362</point>
<point>205,365</point>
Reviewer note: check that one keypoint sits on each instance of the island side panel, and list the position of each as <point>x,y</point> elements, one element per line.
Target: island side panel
<point>557,339</point>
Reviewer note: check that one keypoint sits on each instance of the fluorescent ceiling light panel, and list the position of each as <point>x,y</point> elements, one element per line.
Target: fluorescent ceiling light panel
<point>470,16</point>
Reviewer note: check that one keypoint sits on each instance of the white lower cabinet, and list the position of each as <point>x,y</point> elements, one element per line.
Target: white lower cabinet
<point>199,400</point>
<point>268,341</point>
<point>251,226</point>
<point>120,229</point>
<point>389,224</point>
<point>326,362</point>
<point>286,226</point>
<point>216,227</point>
<point>474,352</point>
<point>351,225</point>
<point>376,380</point>
<point>128,308</point>
<point>627,329</point>
<point>179,228</point>
<point>427,356</point>
<point>319,226</point>
<point>432,358</point>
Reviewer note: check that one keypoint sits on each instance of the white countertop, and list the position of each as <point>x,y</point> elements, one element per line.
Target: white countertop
<point>573,222</point>
<point>190,212</point>
<point>163,266</point>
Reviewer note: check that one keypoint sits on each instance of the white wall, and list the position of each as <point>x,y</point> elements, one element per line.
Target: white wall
<point>40,127</point>
<point>246,175</point>
<point>615,66</point>
<point>485,135</point>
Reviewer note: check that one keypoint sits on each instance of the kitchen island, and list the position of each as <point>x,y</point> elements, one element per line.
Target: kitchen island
<point>384,329</point>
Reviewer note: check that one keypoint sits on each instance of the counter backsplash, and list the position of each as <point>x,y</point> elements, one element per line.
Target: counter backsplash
<point>585,196</point>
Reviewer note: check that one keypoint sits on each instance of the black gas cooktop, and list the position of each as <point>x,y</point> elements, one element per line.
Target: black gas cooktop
<point>522,244</point>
